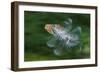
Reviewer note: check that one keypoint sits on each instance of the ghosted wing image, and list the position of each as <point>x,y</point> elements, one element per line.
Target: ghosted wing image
<point>63,37</point>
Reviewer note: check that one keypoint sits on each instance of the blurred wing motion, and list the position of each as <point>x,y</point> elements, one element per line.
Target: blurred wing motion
<point>68,24</point>
<point>76,31</point>
<point>52,42</point>
<point>63,37</point>
<point>74,38</point>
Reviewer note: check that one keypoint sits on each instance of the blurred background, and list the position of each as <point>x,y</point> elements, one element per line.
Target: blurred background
<point>36,36</point>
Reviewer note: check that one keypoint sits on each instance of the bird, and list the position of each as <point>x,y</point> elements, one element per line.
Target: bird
<point>63,36</point>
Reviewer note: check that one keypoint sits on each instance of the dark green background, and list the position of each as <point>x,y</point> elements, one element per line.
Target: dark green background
<point>36,36</point>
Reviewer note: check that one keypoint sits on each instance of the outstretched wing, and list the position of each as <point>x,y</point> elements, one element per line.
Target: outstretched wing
<point>75,37</point>
<point>52,42</point>
<point>77,31</point>
<point>68,24</point>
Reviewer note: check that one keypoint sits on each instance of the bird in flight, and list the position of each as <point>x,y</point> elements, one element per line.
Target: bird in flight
<point>63,36</point>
